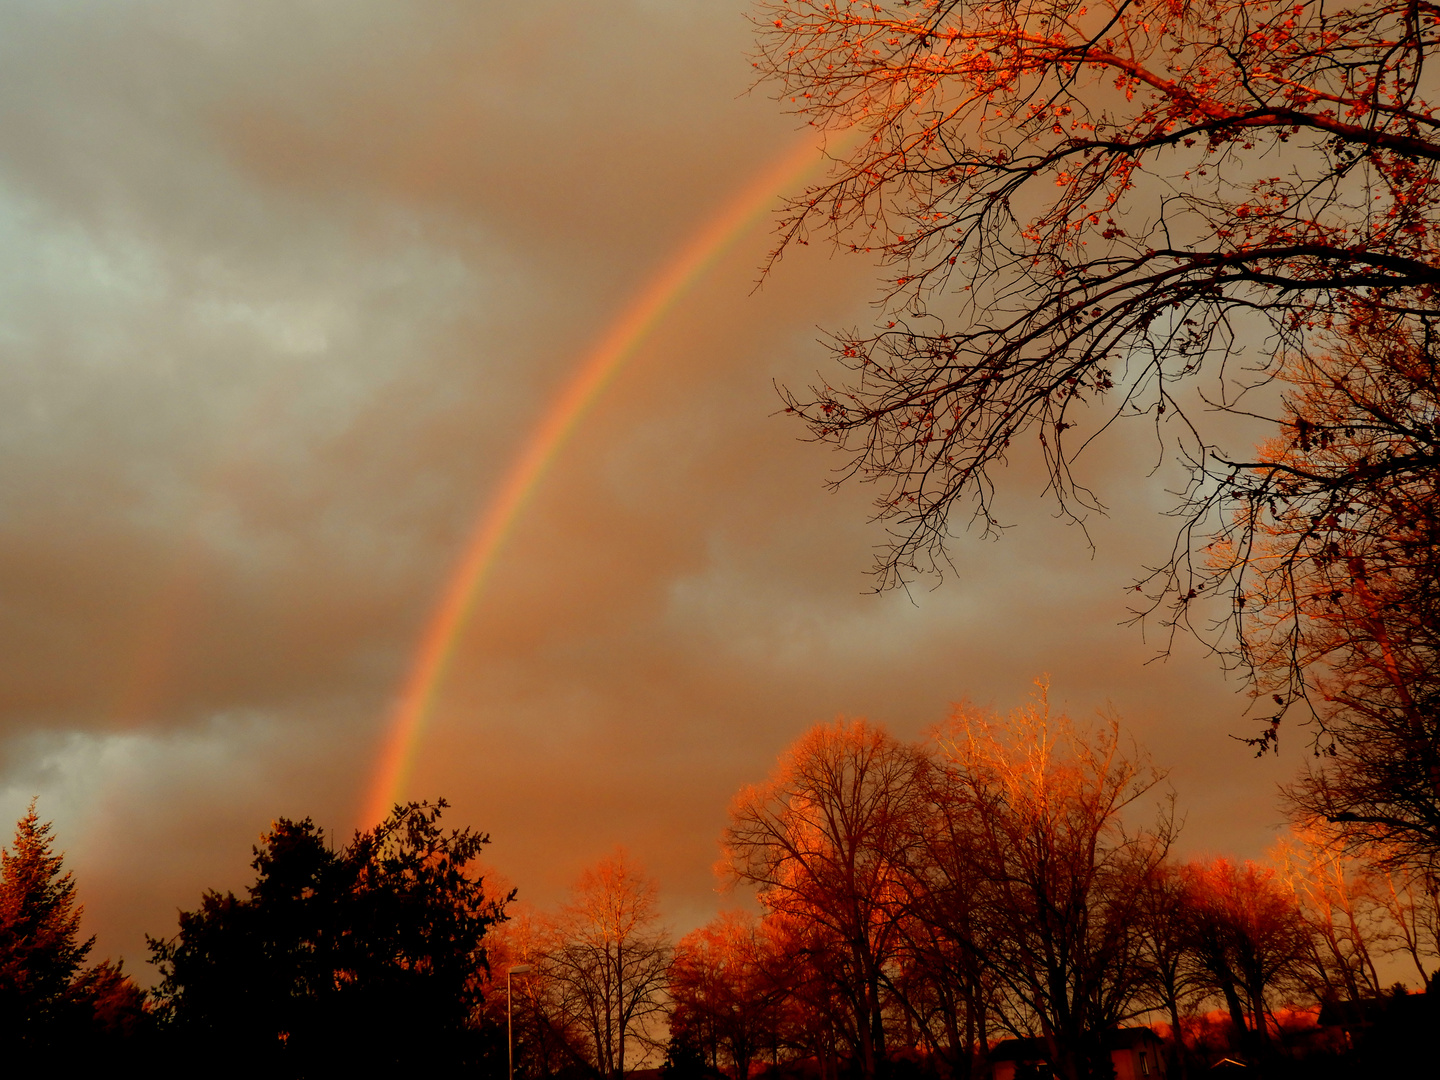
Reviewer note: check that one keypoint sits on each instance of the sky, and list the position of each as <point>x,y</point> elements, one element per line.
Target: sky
<point>286,290</point>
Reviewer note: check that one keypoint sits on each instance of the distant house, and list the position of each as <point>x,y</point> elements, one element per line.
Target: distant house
<point>1136,1054</point>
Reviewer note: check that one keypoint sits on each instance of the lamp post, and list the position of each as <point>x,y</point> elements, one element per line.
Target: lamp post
<point>515,969</point>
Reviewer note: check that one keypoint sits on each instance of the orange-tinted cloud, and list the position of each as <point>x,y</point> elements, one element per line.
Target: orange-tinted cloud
<point>284,287</point>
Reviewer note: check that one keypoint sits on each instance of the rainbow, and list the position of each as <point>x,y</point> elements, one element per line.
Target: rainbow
<point>496,519</point>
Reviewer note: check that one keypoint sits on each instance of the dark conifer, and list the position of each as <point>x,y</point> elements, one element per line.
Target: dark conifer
<point>40,946</point>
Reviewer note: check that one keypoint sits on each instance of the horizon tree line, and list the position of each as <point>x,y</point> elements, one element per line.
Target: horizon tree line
<point>1013,877</point>
<point>1006,876</point>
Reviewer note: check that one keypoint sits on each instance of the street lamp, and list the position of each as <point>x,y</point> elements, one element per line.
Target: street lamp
<point>515,969</point>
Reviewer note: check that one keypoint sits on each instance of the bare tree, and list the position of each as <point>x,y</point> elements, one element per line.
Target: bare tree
<point>1336,897</point>
<point>1118,210</point>
<point>823,840</point>
<point>602,964</point>
<point>1079,204</point>
<point>546,1038</point>
<point>1412,900</point>
<point>945,985</point>
<point>1047,804</point>
<point>939,982</point>
<point>1249,938</point>
<point>810,974</point>
<point>726,989</point>
<point>1170,981</point>
<point>1337,545</point>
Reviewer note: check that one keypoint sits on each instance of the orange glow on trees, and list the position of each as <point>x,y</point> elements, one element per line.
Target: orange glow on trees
<point>1337,898</point>
<point>1412,903</point>
<point>1086,206</point>
<point>546,1039</point>
<point>53,1012</point>
<point>601,966</point>
<point>1248,936</point>
<point>989,876</point>
<point>1171,982</point>
<point>823,841</point>
<point>1062,868</point>
<point>726,986</point>
<point>40,946</point>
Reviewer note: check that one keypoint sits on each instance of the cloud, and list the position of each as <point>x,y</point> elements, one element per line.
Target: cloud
<point>282,288</point>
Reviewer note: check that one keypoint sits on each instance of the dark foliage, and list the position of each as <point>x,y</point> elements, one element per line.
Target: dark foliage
<point>685,1059</point>
<point>40,947</point>
<point>49,1004</point>
<point>363,959</point>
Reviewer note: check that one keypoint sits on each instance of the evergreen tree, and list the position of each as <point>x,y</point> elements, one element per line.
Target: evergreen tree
<point>40,946</point>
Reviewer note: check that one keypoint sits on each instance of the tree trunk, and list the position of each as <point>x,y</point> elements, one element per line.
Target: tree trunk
<point>1237,1011</point>
<point>1176,1067</point>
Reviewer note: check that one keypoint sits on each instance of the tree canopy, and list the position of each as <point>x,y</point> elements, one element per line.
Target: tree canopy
<point>1143,209</point>
<point>367,957</point>
<point>1078,202</point>
<point>40,945</point>
<point>49,1003</point>
<point>1013,874</point>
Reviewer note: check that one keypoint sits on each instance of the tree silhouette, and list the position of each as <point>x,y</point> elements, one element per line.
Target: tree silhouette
<point>602,965</point>
<point>823,841</point>
<point>49,1004</point>
<point>1249,938</point>
<point>1412,906</point>
<point>1336,543</point>
<point>40,946</point>
<point>1086,210</point>
<point>1063,872</point>
<point>1080,204</point>
<point>363,958</point>
<point>726,986</point>
<point>1170,979</point>
<point>1339,902</point>
<point>1012,872</point>
<point>948,986</point>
